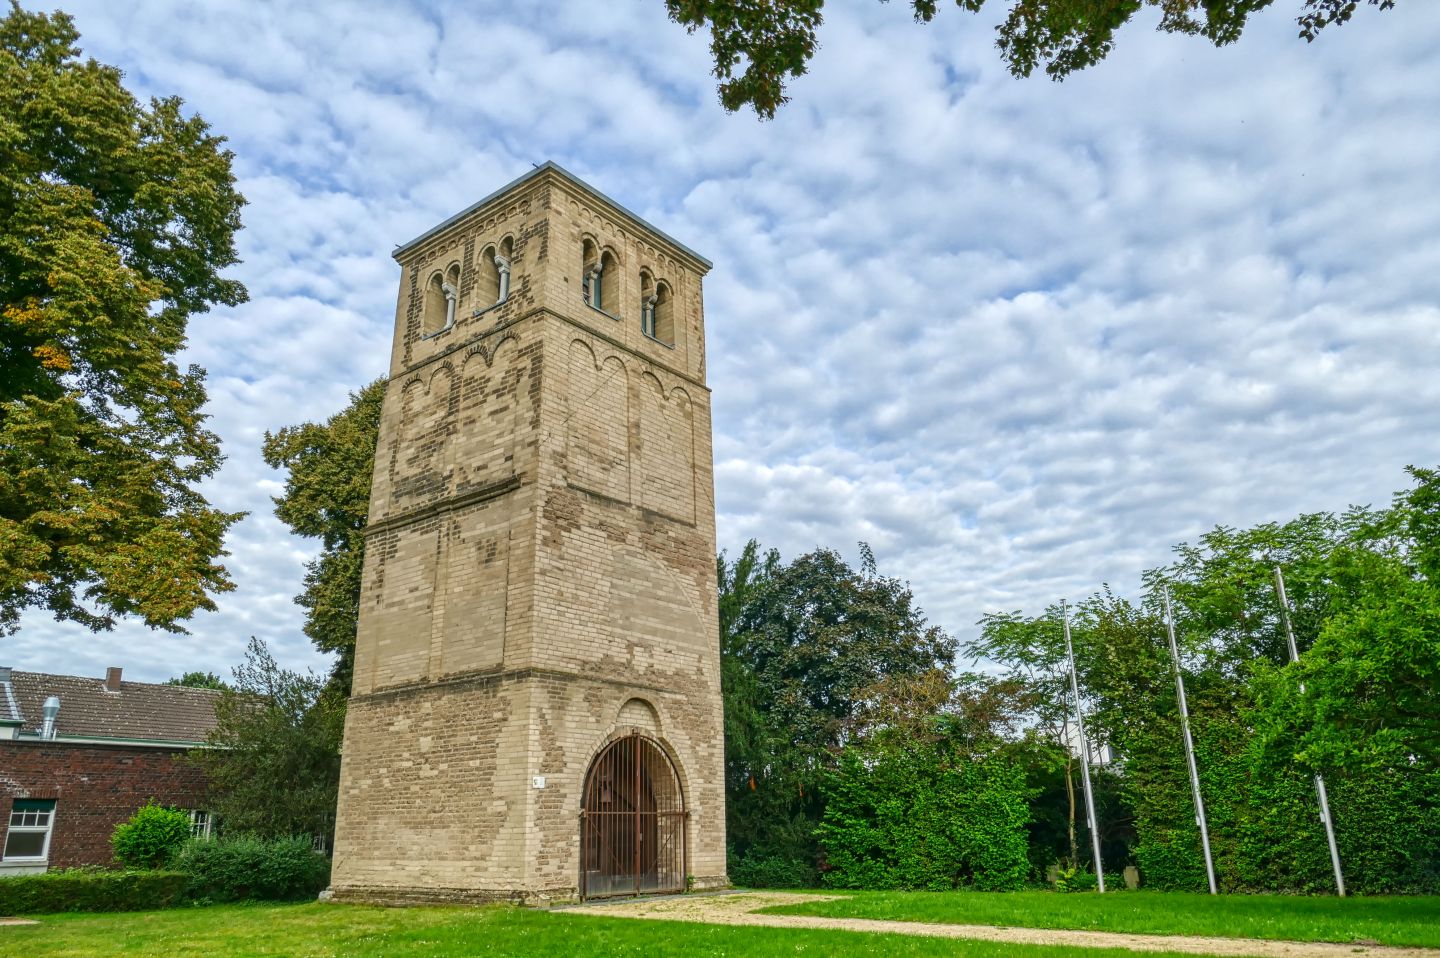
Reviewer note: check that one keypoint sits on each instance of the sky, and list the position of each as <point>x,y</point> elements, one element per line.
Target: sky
<point>1022,337</point>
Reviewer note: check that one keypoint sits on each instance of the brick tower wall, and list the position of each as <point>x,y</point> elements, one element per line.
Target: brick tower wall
<point>540,573</point>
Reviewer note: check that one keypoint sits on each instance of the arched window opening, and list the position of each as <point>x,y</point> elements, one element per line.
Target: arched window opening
<point>632,824</point>
<point>663,314</point>
<point>607,283</point>
<point>487,283</point>
<point>438,309</point>
<point>502,267</point>
<point>590,273</point>
<point>451,290</point>
<point>647,303</point>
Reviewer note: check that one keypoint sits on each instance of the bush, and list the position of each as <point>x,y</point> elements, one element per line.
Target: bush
<point>1077,879</point>
<point>253,869</point>
<point>772,872</point>
<point>86,889</point>
<point>151,837</point>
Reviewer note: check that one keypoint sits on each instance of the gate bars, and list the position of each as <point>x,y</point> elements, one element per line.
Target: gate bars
<point>632,823</point>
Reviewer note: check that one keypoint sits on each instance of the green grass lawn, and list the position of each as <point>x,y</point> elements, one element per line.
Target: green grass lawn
<point>355,930</point>
<point>303,931</point>
<point>1390,921</point>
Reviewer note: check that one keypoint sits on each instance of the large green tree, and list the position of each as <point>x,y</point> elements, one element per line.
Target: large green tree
<point>274,765</point>
<point>1030,652</point>
<point>759,45</point>
<point>1366,693</point>
<point>804,646</point>
<point>116,220</point>
<point>327,497</point>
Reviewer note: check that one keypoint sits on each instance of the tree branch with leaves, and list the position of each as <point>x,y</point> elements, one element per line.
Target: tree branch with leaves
<point>758,46</point>
<point>116,220</point>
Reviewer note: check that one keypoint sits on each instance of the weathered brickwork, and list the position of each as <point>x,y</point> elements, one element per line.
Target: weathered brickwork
<point>540,568</point>
<point>95,788</point>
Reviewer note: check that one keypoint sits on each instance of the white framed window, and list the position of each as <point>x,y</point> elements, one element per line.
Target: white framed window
<point>202,823</point>
<point>29,836</point>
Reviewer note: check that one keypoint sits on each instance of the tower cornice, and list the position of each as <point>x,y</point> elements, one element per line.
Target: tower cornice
<point>557,174</point>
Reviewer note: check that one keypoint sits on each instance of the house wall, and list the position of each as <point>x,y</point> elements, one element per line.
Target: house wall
<point>95,788</point>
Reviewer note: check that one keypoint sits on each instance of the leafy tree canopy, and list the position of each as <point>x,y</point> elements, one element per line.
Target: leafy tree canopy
<point>758,45</point>
<point>117,220</point>
<point>806,650</point>
<point>200,680</point>
<point>327,496</point>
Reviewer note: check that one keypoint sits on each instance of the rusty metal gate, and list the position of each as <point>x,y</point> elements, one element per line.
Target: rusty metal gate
<point>632,822</point>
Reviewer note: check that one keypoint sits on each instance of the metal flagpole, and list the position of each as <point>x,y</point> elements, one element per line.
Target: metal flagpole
<point>1084,752</point>
<point>1189,746</point>
<point>1319,782</point>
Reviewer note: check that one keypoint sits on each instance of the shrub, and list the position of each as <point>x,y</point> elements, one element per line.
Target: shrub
<point>754,871</point>
<point>151,837</point>
<point>253,869</point>
<point>1076,878</point>
<point>86,889</point>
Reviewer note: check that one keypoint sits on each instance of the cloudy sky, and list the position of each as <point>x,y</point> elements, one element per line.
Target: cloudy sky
<point>1022,337</point>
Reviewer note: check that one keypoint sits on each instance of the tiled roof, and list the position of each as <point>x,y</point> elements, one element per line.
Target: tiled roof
<point>9,708</point>
<point>138,711</point>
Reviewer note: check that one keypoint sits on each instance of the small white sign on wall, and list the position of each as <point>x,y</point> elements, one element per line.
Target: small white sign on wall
<point>538,781</point>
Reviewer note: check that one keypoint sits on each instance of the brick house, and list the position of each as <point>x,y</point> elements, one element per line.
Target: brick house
<point>79,755</point>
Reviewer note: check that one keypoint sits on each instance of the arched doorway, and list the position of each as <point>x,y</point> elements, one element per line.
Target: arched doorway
<point>632,822</point>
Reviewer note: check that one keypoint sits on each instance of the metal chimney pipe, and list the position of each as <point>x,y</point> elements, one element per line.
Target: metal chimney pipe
<point>51,709</point>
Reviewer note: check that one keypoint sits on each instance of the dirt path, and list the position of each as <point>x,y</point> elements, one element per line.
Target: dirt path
<point>739,908</point>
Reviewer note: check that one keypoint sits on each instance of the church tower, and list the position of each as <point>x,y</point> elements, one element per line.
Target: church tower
<point>536,708</point>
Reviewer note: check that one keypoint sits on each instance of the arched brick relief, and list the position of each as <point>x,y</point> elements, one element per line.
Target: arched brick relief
<point>412,397</point>
<point>442,371</point>
<point>597,423</point>
<point>427,412</point>
<point>488,349</point>
<point>667,450</point>
<point>491,397</point>
<point>637,713</point>
<point>476,543</point>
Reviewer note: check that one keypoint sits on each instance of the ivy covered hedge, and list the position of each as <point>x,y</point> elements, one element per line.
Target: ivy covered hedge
<point>88,889</point>
<point>924,815</point>
<point>1265,829</point>
<point>1357,707</point>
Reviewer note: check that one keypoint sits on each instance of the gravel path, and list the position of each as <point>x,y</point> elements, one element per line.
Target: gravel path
<point>739,908</point>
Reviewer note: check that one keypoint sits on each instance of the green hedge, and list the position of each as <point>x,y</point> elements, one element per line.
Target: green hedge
<point>86,889</point>
<point>253,869</point>
<point>924,816</point>
<point>1265,829</point>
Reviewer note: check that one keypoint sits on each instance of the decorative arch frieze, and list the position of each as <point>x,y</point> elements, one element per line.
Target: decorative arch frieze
<point>597,422</point>
<point>667,449</point>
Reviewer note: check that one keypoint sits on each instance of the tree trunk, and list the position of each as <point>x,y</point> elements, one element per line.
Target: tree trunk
<point>1070,793</point>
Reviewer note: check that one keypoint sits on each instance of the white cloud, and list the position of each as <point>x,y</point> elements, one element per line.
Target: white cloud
<point>1021,336</point>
